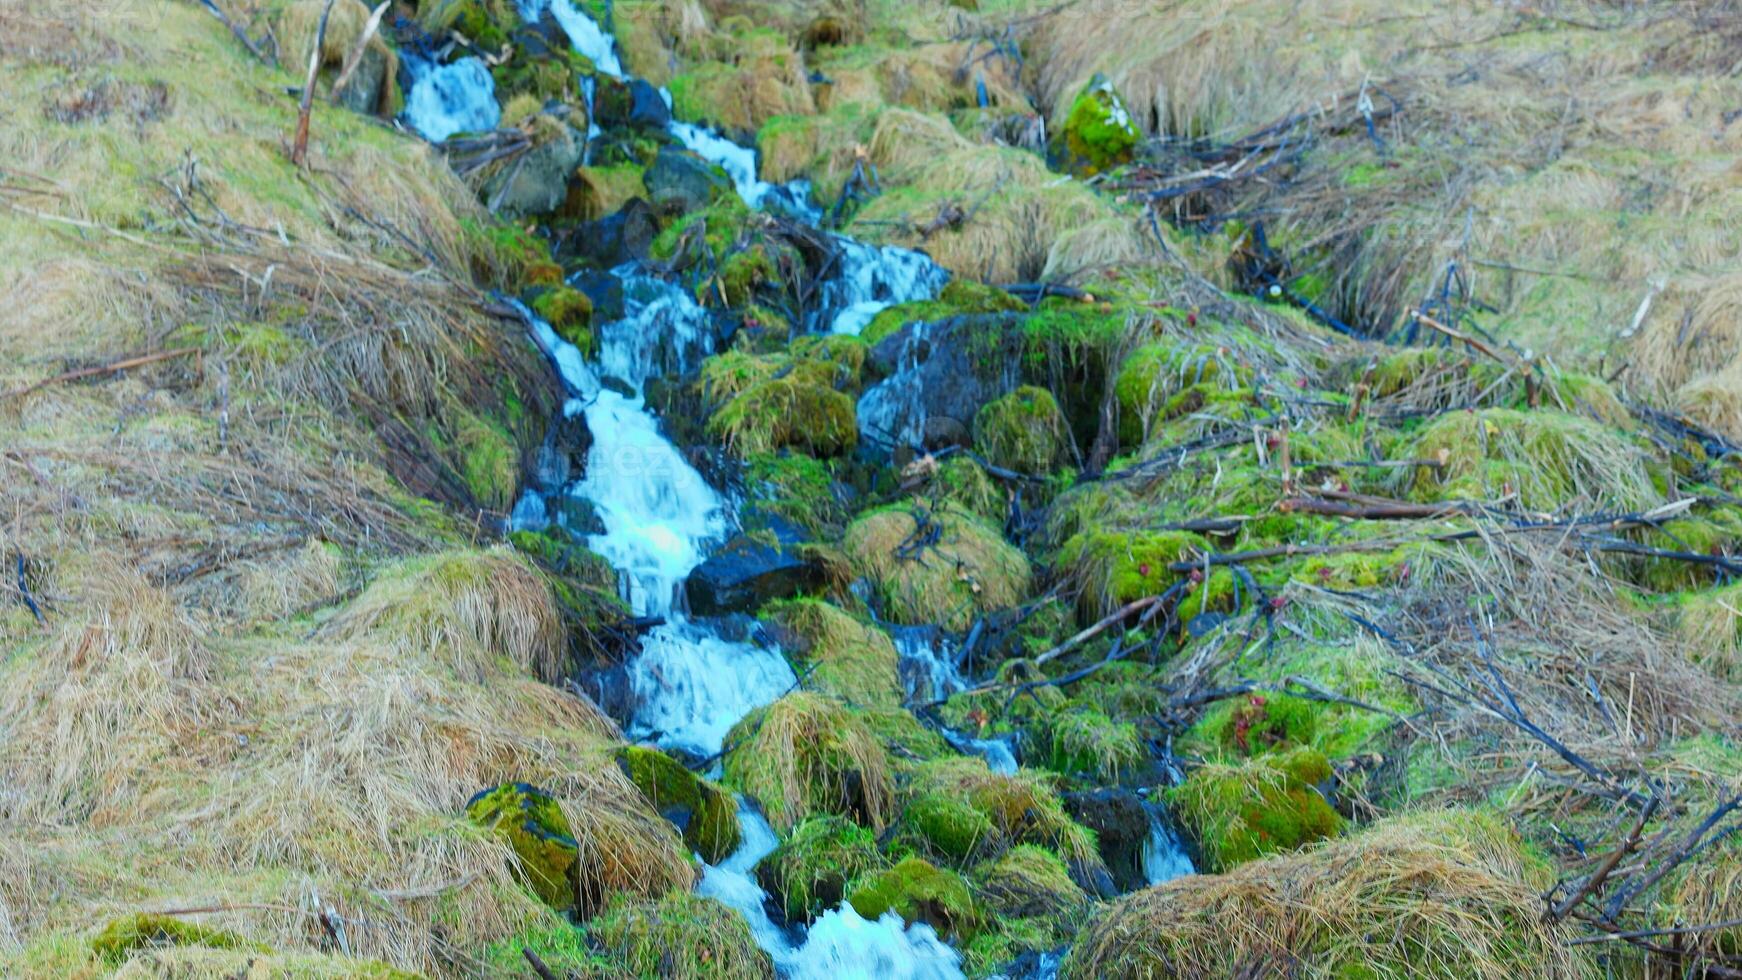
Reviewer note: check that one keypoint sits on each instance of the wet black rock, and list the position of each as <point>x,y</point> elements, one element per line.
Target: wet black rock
<point>749,571</point>
<point>936,376</point>
<point>680,181</point>
<point>1121,827</point>
<point>626,236</point>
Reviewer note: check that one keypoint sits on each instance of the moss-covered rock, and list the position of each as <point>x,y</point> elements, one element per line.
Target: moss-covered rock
<point>1023,808</point>
<point>145,930</point>
<point>533,824</point>
<point>963,483</point>
<point>949,828</point>
<point>787,412</point>
<point>808,754</point>
<point>1245,810</point>
<point>795,488</point>
<point>585,586</point>
<point>1022,431</point>
<point>1116,568</point>
<point>1098,132</point>
<point>1152,378</point>
<point>680,936</point>
<point>487,459</point>
<point>958,296</point>
<point>838,654</point>
<point>941,567</point>
<point>809,872</point>
<point>1029,904</point>
<point>918,891</point>
<point>570,313</point>
<point>1084,740</point>
<point>705,813</point>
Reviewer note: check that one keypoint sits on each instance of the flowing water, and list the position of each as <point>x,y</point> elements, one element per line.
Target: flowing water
<point>446,99</point>
<point>660,516</point>
<point>1164,854</point>
<point>871,279</point>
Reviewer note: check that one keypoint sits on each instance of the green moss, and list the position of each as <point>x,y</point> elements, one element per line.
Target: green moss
<point>145,930</point>
<point>1116,568</point>
<point>844,353</point>
<point>562,946</point>
<point>959,296</point>
<point>1030,905</point>
<point>808,754</point>
<point>570,313</point>
<point>679,936</point>
<point>1085,740</point>
<point>1098,133</point>
<point>837,654</point>
<point>744,272</point>
<point>965,570</point>
<point>1265,722</point>
<point>948,827</point>
<point>1023,808</point>
<point>722,223</point>
<point>809,872</point>
<point>787,412</point>
<point>961,482</point>
<point>487,459</point>
<point>918,891</point>
<point>1152,381</point>
<point>1022,431</point>
<point>532,823</point>
<point>504,255</point>
<point>707,814</point>
<point>793,487</point>
<point>1242,811</point>
<point>1547,460</point>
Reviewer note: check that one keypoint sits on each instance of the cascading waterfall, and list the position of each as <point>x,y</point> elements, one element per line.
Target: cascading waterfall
<point>871,280</point>
<point>1164,854</point>
<point>459,97</point>
<point>659,515</point>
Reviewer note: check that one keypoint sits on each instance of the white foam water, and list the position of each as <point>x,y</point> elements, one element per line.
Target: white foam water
<point>739,162</point>
<point>1164,854</point>
<point>446,99</point>
<point>841,944</point>
<point>893,410</point>
<point>873,278</point>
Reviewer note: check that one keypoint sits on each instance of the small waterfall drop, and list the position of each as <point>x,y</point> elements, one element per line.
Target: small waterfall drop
<point>1164,854</point>
<point>448,99</point>
<point>739,162</point>
<point>872,279</point>
<point>841,944</point>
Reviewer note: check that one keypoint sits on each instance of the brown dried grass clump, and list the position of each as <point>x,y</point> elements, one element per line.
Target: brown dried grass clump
<point>807,754</point>
<point>467,608</point>
<point>87,720</point>
<point>1448,894</point>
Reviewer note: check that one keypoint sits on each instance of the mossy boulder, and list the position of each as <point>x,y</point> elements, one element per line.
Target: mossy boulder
<point>1098,132</point>
<point>839,655</point>
<point>957,296</point>
<point>532,823</point>
<point>965,484</point>
<point>809,872</point>
<point>918,891</point>
<point>787,412</point>
<point>949,828</point>
<point>570,313</point>
<point>486,458</point>
<point>680,936</point>
<point>585,586</point>
<point>1084,740</point>
<point>1117,567</point>
<point>1030,882</point>
<point>746,271</point>
<point>707,814</point>
<point>1152,377</point>
<point>1023,808</point>
<point>1023,431</point>
<point>1241,811</point>
<point>146,930</point>
<point>809,754</point>
<point>939,566</point>
<point>795,488</point>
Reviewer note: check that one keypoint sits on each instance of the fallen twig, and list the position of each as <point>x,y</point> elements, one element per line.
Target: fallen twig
<point>355,58</point>
<point>124,365</point>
